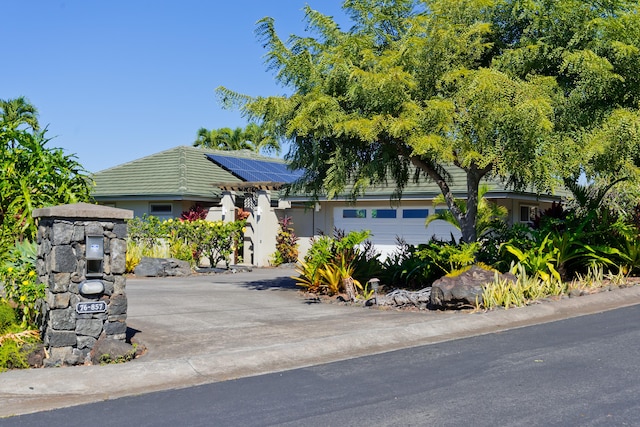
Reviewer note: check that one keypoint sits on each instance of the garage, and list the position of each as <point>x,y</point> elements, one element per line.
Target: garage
<point>387,223</point>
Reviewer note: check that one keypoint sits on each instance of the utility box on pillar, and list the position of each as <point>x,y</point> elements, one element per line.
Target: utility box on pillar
<point>95,256</point>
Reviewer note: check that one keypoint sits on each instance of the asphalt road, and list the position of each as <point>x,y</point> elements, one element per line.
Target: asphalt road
<point>577,372</point>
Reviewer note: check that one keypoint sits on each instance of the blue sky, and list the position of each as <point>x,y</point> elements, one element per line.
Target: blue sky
<point>121,79</point>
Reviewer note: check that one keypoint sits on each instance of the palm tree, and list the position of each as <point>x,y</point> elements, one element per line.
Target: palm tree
<point>237,140</point>
<point>253,138</point>
<point>16,112</point>
<point>261,139</point>
<point>489,213</point>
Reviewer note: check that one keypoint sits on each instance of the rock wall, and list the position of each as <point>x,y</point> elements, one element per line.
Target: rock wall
<point>78,310</point>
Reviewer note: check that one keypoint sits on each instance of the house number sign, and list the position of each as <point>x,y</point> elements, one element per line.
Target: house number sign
<point>91,307</point>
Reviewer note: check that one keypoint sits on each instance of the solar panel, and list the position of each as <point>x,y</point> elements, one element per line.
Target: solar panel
<point>253,170</point>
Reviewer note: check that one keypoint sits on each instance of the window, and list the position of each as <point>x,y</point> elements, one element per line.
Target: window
<point>383,213</point>
<point>415,213</point>
<point>354,213</point>
<point>162,211</point>
<point>528,213</point>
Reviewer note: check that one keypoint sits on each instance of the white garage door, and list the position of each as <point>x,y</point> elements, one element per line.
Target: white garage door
<point>387,223</point>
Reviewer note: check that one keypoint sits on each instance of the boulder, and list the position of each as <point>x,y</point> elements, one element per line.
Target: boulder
<point>107,350</point>
<point>162,267</point>
<point>463,290</point>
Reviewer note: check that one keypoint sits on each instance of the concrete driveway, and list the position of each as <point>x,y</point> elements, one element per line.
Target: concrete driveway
<point>209,328</point>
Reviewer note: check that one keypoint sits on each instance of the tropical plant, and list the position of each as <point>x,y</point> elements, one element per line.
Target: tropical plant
<point>405,269</point>
<point>261,139</point>
<point>491,245</point>
<point>21,284</point>
<point>538,260</point>
<point>629,251</point>
<point>365,292</point>
<point>253,138</point>
<point>32,175</point>
<point>146,230</point>
<point>11,355</point>
<point>286,243</point>
<point>503,293</point>
<point>308,277</point>
<point>331,259</point>
<point>490,216</point>
<point>13,338</point>
<point>331,279</point>
<point>185,240</point>
<point>525,289</point>
<point>194,213</point>
<point>448,257</point>
<point>7,316</point>
<point>18,112</point>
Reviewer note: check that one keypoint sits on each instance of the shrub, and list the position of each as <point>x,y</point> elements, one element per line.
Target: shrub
<point>186,240</point>
<point>12,356</point>
<point>20,282</point>
<point>12,339</point>
<point>194,213</point>
<point>404,269</point>
<point>7,316</point>
<point>331,259</point>
<point>286,243</point>
<point>527,288</point>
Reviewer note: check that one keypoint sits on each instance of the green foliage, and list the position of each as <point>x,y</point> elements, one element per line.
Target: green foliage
<point>32,175</point>
<point>146,230</point>
<point>365,292</point>
<point>213,239</point>
<point>447,257</point>
<point>253,137</point>
<point>330,260</point>
<point>12,339</point>
<point>527,288</point>
<point>491,245</point>
<point>404,269</point>
<point>134,255</point>
<point>415,267</point>
<point>185,240</point>
<point>526,91</point>
<point>17,274</point>
<point>286,243</point>
<point>12,356</point>
<point>490,216</point>
<point>628,246</point>
<point>408,89</point>
<point>7,316</point>
<point>538,260</point>
<point>503,293</point>
<point>108,359</point>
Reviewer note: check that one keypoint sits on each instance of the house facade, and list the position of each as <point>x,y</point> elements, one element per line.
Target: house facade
<point>167,183</point>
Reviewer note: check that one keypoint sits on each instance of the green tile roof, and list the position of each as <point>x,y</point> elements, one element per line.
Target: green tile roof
<point>182,172</point>
<point>428,189</point>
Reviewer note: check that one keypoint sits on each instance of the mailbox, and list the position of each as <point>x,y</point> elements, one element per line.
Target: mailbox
<point>94,256</point>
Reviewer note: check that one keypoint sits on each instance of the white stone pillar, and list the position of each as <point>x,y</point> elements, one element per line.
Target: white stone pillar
<point>266,224</point>
<point>228,203</point>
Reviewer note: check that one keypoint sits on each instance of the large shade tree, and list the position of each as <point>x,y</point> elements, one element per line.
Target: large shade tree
<point>528,92</point>
<point>32,175</point>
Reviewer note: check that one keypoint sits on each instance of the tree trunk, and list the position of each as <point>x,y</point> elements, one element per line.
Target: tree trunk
<point>466,220</point>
